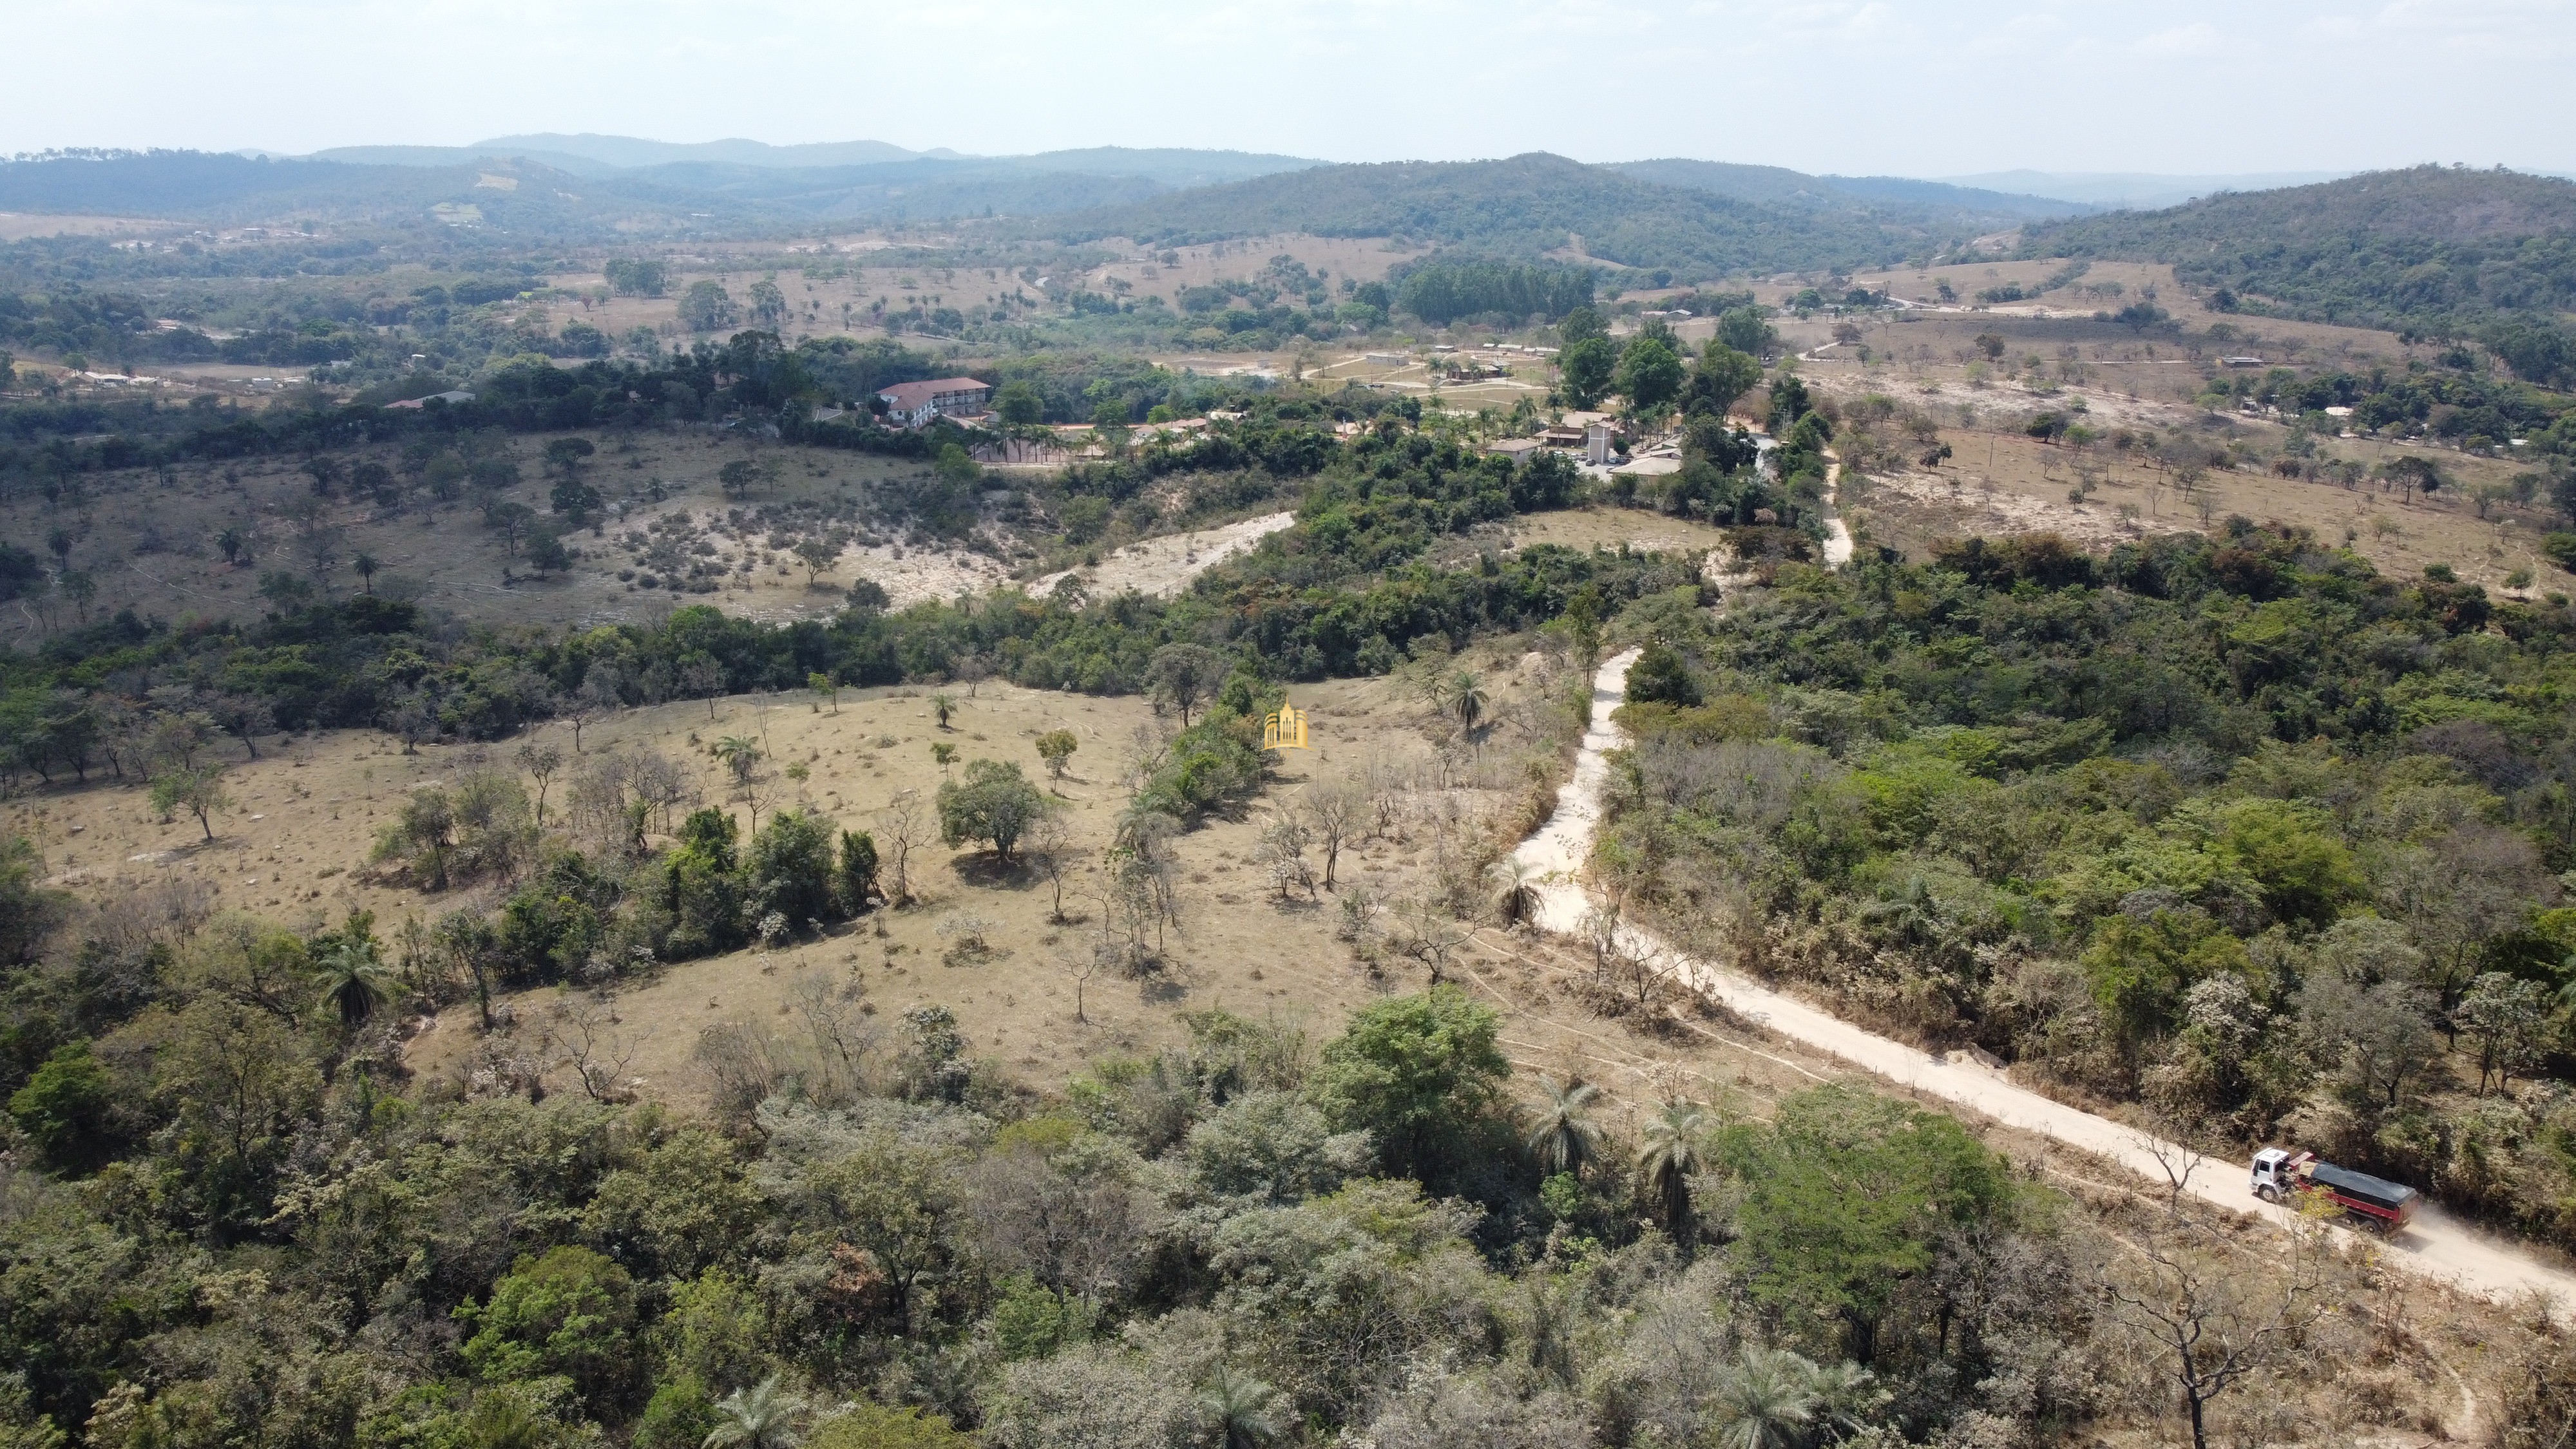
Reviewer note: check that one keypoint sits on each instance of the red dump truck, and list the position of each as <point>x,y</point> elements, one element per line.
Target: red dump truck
<point>2280,1172</point>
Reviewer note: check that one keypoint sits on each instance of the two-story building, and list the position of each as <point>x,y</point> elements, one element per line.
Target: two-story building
<point>914,404</point>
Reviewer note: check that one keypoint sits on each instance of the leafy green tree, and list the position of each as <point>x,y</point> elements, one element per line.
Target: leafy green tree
<point>707,307</point>
<point>569,1312</point>
<point>1650,375</point>
<point>855,882</point>
<point>1586,369</point>
<point>1847,1195</point>
<point>566,455</point>
<point>680,1415</point>
<point>700,887</point>
<point>1420,1072</point>
<point>548,555</point>
<point>866,1425</point>
<point>995,802</point>
<point>65,1107</point>
<point>198,791</point>
<point>790,867</point>
<point>636,276</point>
<point>1056,747</point>
<point>1661,677</point>
<point>1723,375</point>
<point>1582,324</point>
<point>575,499</point>
<point>1019,403</point>
<point>1182,675</point>
<point>1746,331</point>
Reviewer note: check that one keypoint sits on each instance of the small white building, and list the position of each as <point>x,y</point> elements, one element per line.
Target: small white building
<point>1599,442</point>
<point>914,404</point>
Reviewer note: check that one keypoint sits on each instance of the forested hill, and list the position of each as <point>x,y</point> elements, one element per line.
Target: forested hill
<point>501,194</point>
<point>2428,247</point>
<point>1893,198</point>
<point>1524,205</point>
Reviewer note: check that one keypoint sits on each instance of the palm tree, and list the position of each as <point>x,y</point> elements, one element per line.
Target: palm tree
<point>1564,1136</point>
<point>943,705</point>
<point>1765,1400</point>
<point>365,564</point>
<point>1467,700</point>
<point>1239,1410</point>
<point>740,755</point>
<point>1520,890</point>
<point>1671,1153</point>
<point>354,980</point>
<point>759,1417</point>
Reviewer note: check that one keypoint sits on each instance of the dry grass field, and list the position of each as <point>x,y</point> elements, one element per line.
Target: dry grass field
<point>294,843</point>
<point>151,540</point>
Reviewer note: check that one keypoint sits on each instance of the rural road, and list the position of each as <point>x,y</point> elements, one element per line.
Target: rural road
<point>1164,565</point>
<point>2435,1244</point>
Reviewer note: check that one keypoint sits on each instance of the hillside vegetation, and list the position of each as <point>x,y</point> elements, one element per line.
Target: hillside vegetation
<point>2432,248</point>
<point>1526,206</point>
<point>2234,827</point>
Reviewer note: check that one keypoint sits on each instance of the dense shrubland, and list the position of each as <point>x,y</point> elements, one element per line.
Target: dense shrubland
<point>2234,828</point>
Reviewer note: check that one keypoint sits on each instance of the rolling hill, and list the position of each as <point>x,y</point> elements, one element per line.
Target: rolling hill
<point>1530,205</point>
<point>2380,249</point>
<point>1925,202</point>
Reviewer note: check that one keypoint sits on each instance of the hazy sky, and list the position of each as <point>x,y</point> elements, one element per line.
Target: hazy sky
<point>1895,86</point>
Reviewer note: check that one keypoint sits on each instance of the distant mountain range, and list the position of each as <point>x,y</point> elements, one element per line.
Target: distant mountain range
<point>2432,242</point>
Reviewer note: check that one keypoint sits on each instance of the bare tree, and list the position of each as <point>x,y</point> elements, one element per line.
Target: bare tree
<point>904,823</point>
<point>2211,1319</point>
<point>585,1029</point>
<point>1046,843</point>
<point>1428,934</point>
<point>541,762</point>
<point>1081,961</point>
<point>1336,809</point>
<point>703,679</point>
<point>844,1037</point>
<point>596,698</point>
<point>1282,852</point>
<point>662,784</point>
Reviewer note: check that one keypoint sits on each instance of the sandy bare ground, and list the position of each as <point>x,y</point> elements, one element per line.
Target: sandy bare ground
<point>1164,566</point>
<point>2436,1245</point>
<point>1993,511</point>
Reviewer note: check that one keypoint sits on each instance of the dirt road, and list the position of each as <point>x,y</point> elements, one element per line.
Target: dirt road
<point>1164,566</point>
<point>2436,1244</point>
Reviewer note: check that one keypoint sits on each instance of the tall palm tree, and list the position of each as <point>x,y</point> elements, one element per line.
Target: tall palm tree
<point>1765,1400</point>
<point>1467,700</point>
<point>759,1417</point>
<point>1672,1151</point>
<point>354,980</point>
<point>1239,1409</point>
<point>1564,1136</point>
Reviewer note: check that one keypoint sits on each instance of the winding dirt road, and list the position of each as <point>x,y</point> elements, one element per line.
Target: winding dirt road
<point>2435,1245</point>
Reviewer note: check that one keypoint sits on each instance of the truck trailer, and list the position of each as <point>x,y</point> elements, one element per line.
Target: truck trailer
<point>2279,1172</point>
